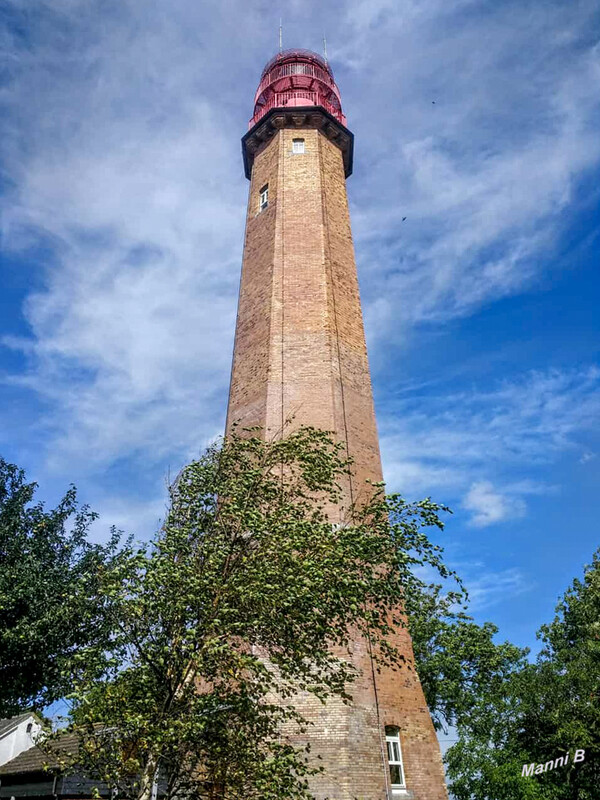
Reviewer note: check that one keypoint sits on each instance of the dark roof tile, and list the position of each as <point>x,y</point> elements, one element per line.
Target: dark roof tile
<point>37,759</point>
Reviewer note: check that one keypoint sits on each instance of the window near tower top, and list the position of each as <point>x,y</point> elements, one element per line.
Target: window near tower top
<point>394,754</point>
<point>297,145</point>
<point>264,197</point>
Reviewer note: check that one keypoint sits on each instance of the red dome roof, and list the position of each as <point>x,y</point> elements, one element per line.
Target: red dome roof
<point>292,55</point>
<point>297,78</point>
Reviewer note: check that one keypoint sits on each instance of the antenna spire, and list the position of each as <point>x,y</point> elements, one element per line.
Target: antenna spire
<point>325,48</point>
<point>280,35</point>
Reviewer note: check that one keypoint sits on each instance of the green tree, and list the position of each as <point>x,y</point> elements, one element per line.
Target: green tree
<point>48,591</point>
<point>457,659</point>
<point>238,602</point>
<point>542,711</point>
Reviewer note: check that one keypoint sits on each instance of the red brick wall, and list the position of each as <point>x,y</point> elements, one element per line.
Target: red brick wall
<point>300,351</point>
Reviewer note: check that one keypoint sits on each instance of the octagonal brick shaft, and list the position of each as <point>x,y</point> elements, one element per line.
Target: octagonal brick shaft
<point>300,352</point>
<point>300,349</point>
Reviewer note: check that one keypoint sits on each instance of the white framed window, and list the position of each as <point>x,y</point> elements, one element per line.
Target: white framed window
<point>264,197</point>
<point>297,145</point>
<point>394,754</point>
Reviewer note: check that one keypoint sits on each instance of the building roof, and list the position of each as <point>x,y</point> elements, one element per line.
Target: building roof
<point>9,724</point>
<point>296,53</point>
<point>37,759</point>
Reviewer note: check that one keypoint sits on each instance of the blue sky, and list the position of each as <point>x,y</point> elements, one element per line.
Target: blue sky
<point>121,218</point>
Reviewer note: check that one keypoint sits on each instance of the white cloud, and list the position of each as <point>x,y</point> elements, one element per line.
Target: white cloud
<point>120,142</point>
<point>486,173</point>
<point>133,175</point>
<point>486,587</point>
<point>488,506</point>
<point>491,588</point>
<point>488,446</point>
<point>132,516</point>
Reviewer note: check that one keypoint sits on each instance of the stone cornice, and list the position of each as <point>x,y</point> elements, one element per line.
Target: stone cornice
<point>298,117</point>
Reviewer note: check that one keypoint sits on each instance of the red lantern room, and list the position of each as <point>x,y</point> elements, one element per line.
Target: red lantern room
<point>297,78</point>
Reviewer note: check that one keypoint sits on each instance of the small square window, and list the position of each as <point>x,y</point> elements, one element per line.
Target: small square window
<point>297,145</point>
<point>264,197</point>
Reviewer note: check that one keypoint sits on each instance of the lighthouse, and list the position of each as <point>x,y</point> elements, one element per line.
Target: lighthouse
<point>300,358</point>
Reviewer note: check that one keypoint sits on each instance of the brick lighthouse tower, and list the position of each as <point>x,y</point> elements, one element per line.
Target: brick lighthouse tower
<point>300,352</point>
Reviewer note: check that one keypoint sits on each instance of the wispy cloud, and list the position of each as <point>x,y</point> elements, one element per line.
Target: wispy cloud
<point>494,127</point>
<point>120,153</point>
<point>131,175</point>
<point>491,588</point>
<point>474,444</point>
<point>141,519</point>
<point>486,586</point>
<point>487,505</point>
